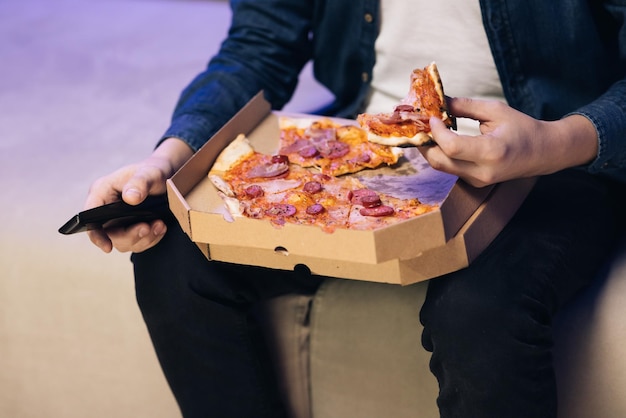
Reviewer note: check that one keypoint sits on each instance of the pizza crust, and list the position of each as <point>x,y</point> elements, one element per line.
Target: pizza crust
<point>287,122</point>
<point>235,152</point>
<point>420,139</point>
<point>434,75</point>
<point>233,207</point>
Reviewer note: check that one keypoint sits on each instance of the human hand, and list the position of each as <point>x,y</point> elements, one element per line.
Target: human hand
<point>133,183</point>
<point>511,144</point>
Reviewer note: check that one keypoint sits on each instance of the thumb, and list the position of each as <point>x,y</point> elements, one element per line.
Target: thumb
<point>132,195</point>
<point>146,180</point>
<point>135,190</point>
<point>441,133</point>
<point>476,109</point>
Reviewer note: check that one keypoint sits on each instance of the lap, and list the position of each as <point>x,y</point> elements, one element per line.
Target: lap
<point>554,246</point>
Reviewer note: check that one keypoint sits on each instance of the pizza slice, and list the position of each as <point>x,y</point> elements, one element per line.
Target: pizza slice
<point>241,174</point>
<point>261,186</point>
<point>322,201</point>
<point>332,148</point>
<point>372,210</point>
<point>408,124</point>
<point>270,187</point>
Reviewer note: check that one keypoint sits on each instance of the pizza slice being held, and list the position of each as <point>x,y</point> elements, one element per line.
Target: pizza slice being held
<point>408,124</point>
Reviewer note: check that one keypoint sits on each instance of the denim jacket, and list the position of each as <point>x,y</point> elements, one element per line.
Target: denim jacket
<point>554,57</point>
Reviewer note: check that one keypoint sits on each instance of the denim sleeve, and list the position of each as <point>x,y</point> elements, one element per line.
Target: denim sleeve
<point>267,46</point>
<point>608,112</point>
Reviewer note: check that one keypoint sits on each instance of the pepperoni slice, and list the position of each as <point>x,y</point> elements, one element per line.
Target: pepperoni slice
<point>280,159</point>
<point>312,187</point>
<point>355,196</point>
<point>254,191</point>
<point>378,211</point>
<point>315,209</point>
<point>281,209</point>
<point>371,201</point>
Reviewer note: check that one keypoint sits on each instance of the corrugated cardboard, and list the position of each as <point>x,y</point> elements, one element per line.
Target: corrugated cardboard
<point>436,243</point>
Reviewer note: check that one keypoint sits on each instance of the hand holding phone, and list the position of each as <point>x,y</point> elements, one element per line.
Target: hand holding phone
<point>118,214</point>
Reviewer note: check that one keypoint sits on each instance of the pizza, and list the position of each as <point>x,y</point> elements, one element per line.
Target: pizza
<point>408,123</point>
<point>335,149</point>
<point>288,188</point>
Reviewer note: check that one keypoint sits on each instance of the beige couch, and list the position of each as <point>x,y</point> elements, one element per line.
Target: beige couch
<point>88,86</point>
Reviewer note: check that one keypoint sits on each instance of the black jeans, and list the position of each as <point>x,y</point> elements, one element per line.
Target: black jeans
<point>488,326</point>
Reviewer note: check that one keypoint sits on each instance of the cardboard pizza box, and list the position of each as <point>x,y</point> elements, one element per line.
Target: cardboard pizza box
<point>441,241</point>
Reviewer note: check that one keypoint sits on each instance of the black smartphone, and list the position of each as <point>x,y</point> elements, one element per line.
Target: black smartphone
<point>118,214</point>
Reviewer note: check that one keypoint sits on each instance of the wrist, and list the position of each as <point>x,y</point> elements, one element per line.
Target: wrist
<point>174,152</point>
<point>576,142</point>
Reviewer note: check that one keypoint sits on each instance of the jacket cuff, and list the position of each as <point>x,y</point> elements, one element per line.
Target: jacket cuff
<point>609,119</point>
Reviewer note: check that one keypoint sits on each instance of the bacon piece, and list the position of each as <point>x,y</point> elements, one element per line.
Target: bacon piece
<point>296,146</point>
<point>317,134</point>
<point>404,108</point>
<point>309,151</point>
<point>268,170</point>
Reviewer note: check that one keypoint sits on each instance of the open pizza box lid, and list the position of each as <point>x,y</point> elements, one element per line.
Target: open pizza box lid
<point>443,240</point>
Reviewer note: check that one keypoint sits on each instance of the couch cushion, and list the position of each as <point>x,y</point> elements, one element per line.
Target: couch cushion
<point>285,324</point>
<point>366,355</point>
<point>590,353</point>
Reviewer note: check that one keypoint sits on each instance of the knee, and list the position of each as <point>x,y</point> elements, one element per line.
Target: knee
<point>464,318</point>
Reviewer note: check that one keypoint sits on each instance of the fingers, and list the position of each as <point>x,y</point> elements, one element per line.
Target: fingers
<point>132,184</point>
<point>453,145</point>
<point>107,189</point>
<point>145,180</point>
<point>101,240</point>
<point>506,148</point>
<point>137,238</point>
<point>441,133</point>
<point>480,110</point>
<point>460,155</point>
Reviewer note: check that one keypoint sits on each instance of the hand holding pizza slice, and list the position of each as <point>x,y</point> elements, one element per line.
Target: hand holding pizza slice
<point>408,124</point>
